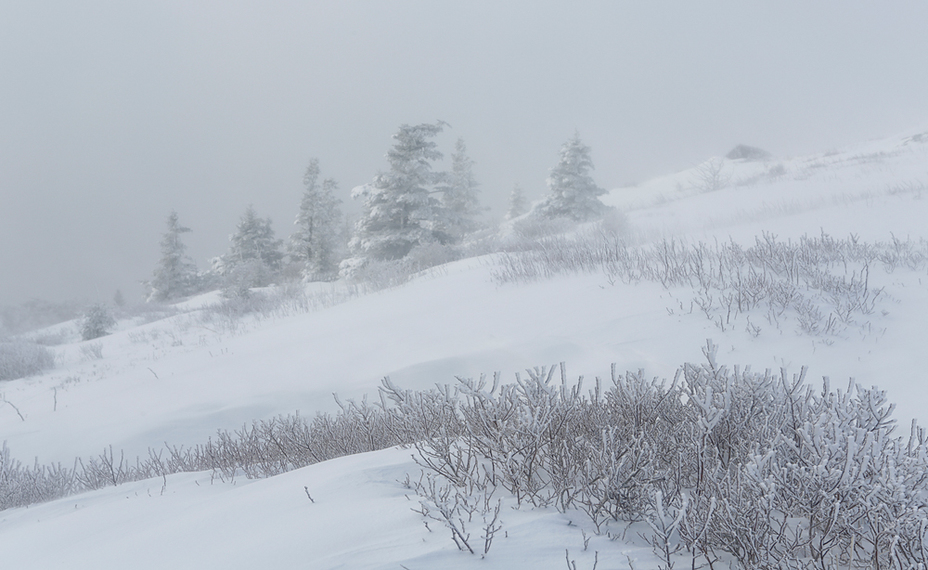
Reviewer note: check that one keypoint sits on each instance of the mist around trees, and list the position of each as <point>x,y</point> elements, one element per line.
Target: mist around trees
<point>414,212</point>
<point>422,210</point>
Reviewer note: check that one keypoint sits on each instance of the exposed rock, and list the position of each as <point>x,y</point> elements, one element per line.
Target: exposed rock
<point>745,152</point>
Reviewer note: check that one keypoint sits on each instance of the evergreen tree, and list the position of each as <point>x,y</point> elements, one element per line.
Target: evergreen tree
<point>517,205</point>
<point>460,205</point>
<point>176,274</point>
<point>573,193</point>
<point>254,255</point>
<point>314,244</point>
<point>97,322</point>
<point>399,211</point>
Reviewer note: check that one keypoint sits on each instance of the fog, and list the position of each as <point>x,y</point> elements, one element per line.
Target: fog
<point>114,113</point>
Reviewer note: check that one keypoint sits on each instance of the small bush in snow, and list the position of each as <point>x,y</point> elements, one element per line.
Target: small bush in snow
<point>711,175</point>
<point>92,351</point>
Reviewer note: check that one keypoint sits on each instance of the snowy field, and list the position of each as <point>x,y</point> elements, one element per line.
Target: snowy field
<point>178,379</point>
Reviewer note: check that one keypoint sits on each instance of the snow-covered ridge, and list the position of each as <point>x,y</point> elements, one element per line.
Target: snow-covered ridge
<point>766,190</point>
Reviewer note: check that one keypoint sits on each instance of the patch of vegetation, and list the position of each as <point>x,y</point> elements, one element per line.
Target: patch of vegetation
<point>19,359</point>
<point>716,464</point>
<point>821,282</point>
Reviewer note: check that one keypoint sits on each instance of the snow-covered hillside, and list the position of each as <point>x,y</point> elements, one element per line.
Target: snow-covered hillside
<point>178,379</point>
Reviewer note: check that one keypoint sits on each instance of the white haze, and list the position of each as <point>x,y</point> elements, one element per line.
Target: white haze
<point>113,113</point>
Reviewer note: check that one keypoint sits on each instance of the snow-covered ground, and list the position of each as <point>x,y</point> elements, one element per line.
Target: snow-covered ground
<point>176,380</point>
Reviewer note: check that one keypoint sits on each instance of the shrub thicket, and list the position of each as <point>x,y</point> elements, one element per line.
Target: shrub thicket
<point>20,358</point>
<point>757,466</point>
<point>761,468</point>
<point>823,283</point>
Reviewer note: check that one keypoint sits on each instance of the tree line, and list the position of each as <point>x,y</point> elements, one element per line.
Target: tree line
<point>412,204</point>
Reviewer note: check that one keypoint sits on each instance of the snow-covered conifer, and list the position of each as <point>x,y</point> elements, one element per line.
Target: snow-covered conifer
<point>399,210</point>
<point>97,322</point>
<point>314,244</point>
<point>517,205</point>
<point>254,252</point>
<point>460,205</point>
<point>176,274</point>
<point>573,193</point>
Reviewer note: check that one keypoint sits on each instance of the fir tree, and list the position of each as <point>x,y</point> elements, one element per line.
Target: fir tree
<point>314,244</point>
<point>517,205</point>
<point>573,193</point>
<point>399,211</point>
<point>97,322</point>
<point>176,274</point>
<point>254,255</point>
<point>460,205</point>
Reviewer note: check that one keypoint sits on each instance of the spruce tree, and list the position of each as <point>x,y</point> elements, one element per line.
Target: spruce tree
<point>399,210</point>
<point>517,205</point>
<point>97,322</point>
<point>254,256</point>
<point>460,205</point>
<point>176,274</point>
<point>314,244</point>
<point>573,193</point>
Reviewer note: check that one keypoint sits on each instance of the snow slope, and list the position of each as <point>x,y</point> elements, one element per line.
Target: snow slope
<point>178,379</point>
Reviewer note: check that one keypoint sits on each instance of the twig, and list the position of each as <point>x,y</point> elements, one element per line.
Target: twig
<point>12,405</point>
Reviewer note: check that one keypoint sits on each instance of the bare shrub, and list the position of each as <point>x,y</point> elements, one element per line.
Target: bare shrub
<point>21,486</point>
<point>718,463</point>
<point>92,351</point>
<point>19,359</point>
<point>758,466</point>
<point>822,282</point>
<point>710,175</point>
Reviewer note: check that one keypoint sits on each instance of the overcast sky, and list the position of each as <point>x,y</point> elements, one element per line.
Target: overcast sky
<point>113,113</point>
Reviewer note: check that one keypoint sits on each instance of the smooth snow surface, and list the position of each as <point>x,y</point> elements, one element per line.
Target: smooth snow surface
<point>179,379</point>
